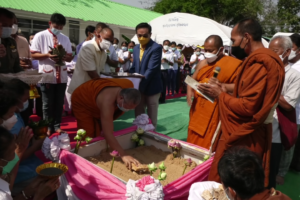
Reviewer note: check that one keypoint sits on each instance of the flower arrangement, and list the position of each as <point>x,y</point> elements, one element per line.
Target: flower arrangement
<point>39,128</point>
<point>188,162</point>
<point>152,168</point>
<point>162,175</point>
<point>113,154</point>
<point>176,147</point>
<point>136,137</point>
<point>79,138</point>
<point>60,52</point>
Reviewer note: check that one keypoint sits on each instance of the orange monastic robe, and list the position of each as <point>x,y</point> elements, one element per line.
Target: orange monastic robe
<point>84,105</point>
<point>247,116</point>
<point>204,115</point>
<point>271,194</point>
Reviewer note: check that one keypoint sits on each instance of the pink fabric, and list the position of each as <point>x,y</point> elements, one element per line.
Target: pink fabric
<point>89,181</point>
<point>146,180</point>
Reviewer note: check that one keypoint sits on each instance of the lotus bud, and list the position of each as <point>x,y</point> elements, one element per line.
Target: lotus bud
<point>177,145</point>
<point>141,142</point>
<point>171,143</point>
<point>162,176</point>
<point>200,162</point>
<point>135,137</point>
<point>140,131</point>
<point>88,139</point>
<point>188,162</point>
<point>162,166</point>
<point>206,157</point>
<point>81,132</point>
<point>114,153</point>
<point>152,167</point>
<point>77,137</point>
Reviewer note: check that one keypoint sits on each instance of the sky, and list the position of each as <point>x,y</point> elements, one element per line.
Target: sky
<point>136,3</point>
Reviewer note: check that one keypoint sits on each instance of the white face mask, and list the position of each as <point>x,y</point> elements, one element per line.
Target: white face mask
<point>292,55</point>
<point>197,53</point>
<point>14,29</point>
<point>124,48</point>
<point>210,57</point>
<point>9,123</point>
<point>280,56</point>
<point>166,47</point>
<point>115,46</point>
<point>6,32</point>
<point>105,44</point>
<point>25,106</point>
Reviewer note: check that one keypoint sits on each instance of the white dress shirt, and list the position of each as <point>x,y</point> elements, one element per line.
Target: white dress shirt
<point>296,66</point>
<point>193,58</point>
<point>5,193</point>
<point>169,56</point>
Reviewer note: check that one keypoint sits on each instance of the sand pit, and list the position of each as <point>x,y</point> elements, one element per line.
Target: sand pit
<point>146,155</point>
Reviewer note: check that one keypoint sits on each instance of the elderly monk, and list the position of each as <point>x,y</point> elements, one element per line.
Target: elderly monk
<point>247,115</point>
<point>98,102</point>
<point>204,115</point>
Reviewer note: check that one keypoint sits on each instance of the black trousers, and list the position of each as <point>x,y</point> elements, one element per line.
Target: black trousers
<point>275,158</point>
<point>165,78</point>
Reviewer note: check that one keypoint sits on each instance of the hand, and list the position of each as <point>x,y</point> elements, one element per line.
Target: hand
<point>22,140</point>
<point>31,189</point>
<point>53,57</point>
<point>25,63</point>
<point>46,188</point>
<point>189,98</point>
<point>211,90</point>
<point>128,160</point>
<point>213,80</point>
<point>2,51</point>
<point>37,143</point>
<point>68,57</point>
<point>129,55</point>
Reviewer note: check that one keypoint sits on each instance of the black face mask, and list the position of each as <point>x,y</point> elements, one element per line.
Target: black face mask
<point>238,52</point>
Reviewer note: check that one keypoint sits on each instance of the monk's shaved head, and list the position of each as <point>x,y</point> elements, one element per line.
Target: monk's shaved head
<point>215,40</point>
<point>131,96</point>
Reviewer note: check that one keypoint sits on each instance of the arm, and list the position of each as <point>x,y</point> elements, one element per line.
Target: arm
<point>193,61</point>
<point>36,145</point>
<point>291,96</point>
<point>284,104</point>
<point>112,63</point>
<point>88,63</point>
<point>93,74</point>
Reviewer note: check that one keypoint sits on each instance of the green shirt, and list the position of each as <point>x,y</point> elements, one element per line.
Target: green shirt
<point>10,63</point>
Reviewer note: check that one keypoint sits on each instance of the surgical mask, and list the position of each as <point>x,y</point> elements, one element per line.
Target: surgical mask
<point>10,164</point>
<point>14,29</point>
<point>122,108</point>
<point>115,46</point>
<point>210,57</point>
<point>197,53</point>
<point>55,31</point>
<point>105,44</point>
<point>292,55</point>
<point>166,47</point>
<point>25,106</point>
<point>238,52</point>
<point>6,32</point>
<point>9,123</point>
<point>124,48</point>
<point>130,50</point>
<point>280,56</point>
<point>179,50</point>
<point>30,41</point>
<point>173,49</point>
<point>73,53</point>
<point>143,41</point>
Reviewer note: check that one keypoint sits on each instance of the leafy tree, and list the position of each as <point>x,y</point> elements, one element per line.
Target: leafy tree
<point>269,18</point>
<point>288,13</point>
<point>226,12</point>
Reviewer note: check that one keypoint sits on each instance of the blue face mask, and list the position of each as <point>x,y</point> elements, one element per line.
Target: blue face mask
<point>122,108</point>
<point>25,106</point>
<point>55,31</point>
<point>10,164</point>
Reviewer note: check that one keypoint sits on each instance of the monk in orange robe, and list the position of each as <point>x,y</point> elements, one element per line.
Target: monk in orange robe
<point>96,103</point>
<point>246,116</point>
<point>204,115</point>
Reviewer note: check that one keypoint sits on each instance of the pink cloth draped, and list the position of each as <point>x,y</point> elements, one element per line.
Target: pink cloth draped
<point>91,182</point>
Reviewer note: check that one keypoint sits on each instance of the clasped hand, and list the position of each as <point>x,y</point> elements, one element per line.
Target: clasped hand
<point>213,89</point>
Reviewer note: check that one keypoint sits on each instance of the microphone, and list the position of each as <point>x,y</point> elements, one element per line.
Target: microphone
<point>216,72</point>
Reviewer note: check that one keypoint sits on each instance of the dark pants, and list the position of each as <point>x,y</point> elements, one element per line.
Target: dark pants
<point>276,151</point>
<point>164,77</point>
<point>53,101</point>
<point>172,80</point>
<point>177,85</point>
<point>296,157</point>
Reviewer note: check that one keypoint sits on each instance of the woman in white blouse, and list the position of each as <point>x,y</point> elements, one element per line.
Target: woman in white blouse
<point>124,57</point>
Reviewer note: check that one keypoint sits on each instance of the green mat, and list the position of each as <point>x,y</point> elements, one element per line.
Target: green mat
<point>173,119</point>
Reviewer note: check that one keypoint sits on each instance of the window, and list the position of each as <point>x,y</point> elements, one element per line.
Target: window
<point>74,31</point>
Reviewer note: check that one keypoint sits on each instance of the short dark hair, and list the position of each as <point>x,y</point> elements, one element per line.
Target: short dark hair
<point>7,13</point>
<point>131,95</point>
<point>166,41</point>
<point>250,26</point>
<point>173,43</point>
<point>296,39</point>
<point>8,99</point>
<point>17,86</point>
<point>101,25</point>
<point>179,45</point>
<point>90,29</point>
<point>126,43</point>
<point>6,138</point>
<point>218,42</point>
<point>143,25</point>
<point>132,42</point>
<point>241,169</point>
<point>58,19</point>
<point>117,40</point>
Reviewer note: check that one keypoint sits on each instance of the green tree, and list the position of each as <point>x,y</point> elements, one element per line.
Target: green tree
<point>288,11</point>
<point>226,12</point>
<point>269,18</point>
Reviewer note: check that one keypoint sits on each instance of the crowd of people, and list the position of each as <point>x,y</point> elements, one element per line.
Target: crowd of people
<point>248,126</point>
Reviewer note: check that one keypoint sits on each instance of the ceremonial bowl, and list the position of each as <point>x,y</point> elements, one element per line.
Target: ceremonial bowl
<point>40,132</point>
<point>51,170</point>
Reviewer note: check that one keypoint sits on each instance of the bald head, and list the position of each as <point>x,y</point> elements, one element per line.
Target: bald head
<point>131,96</point>
<point>107,34</point>
<point>214,40</point>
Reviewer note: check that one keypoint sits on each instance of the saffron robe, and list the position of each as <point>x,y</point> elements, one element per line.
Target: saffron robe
<point>243,116</point>
<point>271,194</point>
<point>204,115</point>
<point>84,104</point>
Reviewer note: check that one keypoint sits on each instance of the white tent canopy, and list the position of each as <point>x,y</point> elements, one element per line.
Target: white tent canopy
<point>186,29</point>
<point>284,34</point>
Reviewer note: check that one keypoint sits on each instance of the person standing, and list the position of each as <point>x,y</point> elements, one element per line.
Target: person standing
<point>124,57</point>
<point>112,62</point>
<point>195,59</point>
<point>247,115</point>
<point>147,61</point>
<point>290,95</point>
<point>52,94</point>
<point>90,34</point>
<point>180,67</point>
<point>166,62</point>
<point>173,70</point>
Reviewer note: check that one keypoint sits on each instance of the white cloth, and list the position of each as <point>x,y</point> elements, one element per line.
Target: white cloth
<point>193,58</point>
<point>41,43</point>
<point>153,191</point>
<point>296,66</point>
<point>291,93</point>
<point>65,192</point>
<point>197,189</point>
<point>142,121</point>
<point>135,81</point>
<point>51,147</point>
<point>90,58</point>
<point>112,56</point>
<point>126,65</point>
<point>5,193</point>
<point>169,56</point>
